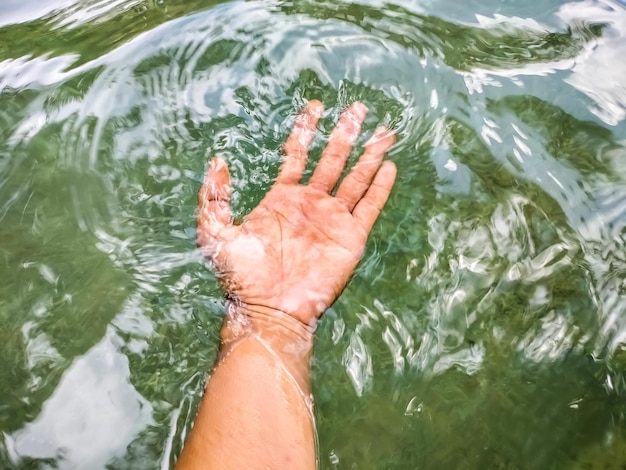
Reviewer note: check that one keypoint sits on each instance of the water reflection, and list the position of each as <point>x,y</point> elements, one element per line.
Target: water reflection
<point>608,93</point>
<point>92,416</point>
<point>19,11</point>
<point>492,286</point>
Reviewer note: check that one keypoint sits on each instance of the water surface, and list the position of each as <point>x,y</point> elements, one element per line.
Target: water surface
<point>486,325</point>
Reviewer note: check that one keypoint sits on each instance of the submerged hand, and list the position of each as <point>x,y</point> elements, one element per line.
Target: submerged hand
<point>296,251</point>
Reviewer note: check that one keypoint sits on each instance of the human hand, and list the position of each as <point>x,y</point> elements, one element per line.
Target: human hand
<point>295,252</point>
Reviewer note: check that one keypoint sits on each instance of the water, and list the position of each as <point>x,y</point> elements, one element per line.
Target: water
<point>486,326</point>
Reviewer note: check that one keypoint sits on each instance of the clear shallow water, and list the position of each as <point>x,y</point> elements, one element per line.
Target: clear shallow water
<point>486,326</point>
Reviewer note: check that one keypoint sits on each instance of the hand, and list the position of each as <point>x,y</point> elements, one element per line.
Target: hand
<point>296,251</point>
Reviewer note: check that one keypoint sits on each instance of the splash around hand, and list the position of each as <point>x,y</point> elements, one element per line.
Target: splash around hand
<point>295,252</point>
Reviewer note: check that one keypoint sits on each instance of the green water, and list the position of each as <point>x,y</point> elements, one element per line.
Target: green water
<point>486,325</point>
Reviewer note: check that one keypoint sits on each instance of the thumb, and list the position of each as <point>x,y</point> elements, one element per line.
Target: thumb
<point>213,205</point>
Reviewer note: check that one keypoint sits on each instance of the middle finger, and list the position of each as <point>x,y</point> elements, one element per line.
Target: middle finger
<point>339,147</point>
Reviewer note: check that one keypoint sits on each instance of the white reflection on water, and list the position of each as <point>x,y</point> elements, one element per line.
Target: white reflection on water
<point>67,13</point>
<point>91,417</point>
<point>93,10</point>
<point>357,358</point>
<point>29,71</point>
<point>608,90</point>
<point>555,338</point>
<point>21,11</point>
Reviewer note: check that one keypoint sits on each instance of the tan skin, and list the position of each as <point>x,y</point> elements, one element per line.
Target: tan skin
<point>282,267</point>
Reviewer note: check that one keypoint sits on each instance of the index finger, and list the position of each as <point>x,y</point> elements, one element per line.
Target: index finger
<point>297,145</point>
<point>368,208</point>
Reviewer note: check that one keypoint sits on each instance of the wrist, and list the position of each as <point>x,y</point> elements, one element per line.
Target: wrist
<point>304,306</point>
<point>242,318</point>
<point>288,339</point>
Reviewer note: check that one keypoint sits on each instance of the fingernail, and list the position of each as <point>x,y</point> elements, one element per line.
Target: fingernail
<point>381,133</point>
<point>315,108</point>
<point>358,109</point>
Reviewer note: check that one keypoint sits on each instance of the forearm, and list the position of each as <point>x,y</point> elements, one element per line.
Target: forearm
<point>257,409</point>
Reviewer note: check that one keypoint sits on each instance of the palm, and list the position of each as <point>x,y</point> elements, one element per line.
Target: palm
<point>296,251</point>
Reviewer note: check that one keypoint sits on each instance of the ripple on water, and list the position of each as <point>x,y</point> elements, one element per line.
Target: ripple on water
<point>492,283</point>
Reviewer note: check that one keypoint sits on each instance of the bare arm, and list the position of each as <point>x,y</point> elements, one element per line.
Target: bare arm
<point>286,263</point>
